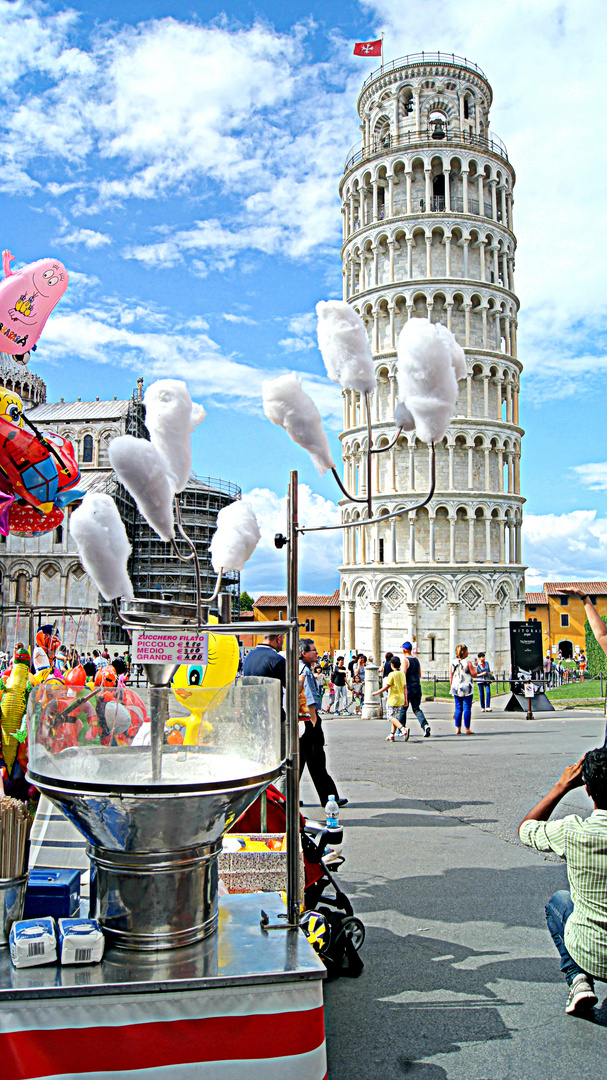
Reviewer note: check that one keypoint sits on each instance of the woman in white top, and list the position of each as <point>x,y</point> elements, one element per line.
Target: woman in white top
<point>463,672</point>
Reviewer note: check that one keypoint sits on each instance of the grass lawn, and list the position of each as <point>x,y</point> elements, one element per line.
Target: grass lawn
<point>443,689</point>
<point>591,688</point>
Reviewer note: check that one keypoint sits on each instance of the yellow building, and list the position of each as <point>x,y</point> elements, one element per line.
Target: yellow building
<point>318,617</point>
<point>562,616</point>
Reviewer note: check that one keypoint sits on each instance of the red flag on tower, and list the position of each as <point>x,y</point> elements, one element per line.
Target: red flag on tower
<point>368,48</point>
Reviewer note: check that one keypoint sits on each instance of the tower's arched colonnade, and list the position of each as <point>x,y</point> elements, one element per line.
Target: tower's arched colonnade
<point>427,205</point>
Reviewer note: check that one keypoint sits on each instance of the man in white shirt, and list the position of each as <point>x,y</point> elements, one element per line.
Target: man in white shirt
<point>577,920</point>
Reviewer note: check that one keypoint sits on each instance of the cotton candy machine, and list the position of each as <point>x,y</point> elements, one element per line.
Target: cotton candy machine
<point>154,814</point>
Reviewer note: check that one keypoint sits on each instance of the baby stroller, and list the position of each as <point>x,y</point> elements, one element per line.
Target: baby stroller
<point>322,893</point>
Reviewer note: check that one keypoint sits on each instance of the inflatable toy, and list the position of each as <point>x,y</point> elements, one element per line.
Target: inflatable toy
<point>196,686</point>
<point>14,691</point>
<point>27,298</point>
<point>47,641</point>
<point>38,472</point>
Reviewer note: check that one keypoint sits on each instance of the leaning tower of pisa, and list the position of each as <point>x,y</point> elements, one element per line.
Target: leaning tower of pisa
<point>428,234</point>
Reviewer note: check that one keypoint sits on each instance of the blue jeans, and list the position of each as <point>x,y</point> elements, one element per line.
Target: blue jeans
<point>558,910</point>
<point>484,690</point>
<point>463,705</point>
<point>341,698</point>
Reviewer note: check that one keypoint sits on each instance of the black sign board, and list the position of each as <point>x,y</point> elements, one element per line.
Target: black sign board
<point>526,647</point>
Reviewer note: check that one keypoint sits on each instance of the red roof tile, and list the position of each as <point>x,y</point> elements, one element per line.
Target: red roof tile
<point>592,587</point>
<point>303,600</point>
<point>535,598</point>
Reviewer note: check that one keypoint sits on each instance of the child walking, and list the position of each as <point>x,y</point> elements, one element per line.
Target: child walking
<point>396,689</point>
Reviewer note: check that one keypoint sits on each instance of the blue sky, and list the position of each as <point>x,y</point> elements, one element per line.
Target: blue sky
<point>184,164</point>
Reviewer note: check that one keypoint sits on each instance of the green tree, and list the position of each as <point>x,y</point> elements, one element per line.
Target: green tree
<point>246,601</point>
<point>597,661</point>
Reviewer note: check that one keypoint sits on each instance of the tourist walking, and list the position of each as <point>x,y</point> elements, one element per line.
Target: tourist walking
<point>312,742</point>
<point>484,680</point>
<point>463,672</point>
<point>340,682</point>
<point>395,687</point>
<point>413,677</point>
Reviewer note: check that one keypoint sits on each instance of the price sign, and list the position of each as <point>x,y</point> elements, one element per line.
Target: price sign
<point>181,647</point>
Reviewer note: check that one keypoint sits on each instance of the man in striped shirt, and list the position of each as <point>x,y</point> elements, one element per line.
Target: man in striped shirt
<point>577,919</point>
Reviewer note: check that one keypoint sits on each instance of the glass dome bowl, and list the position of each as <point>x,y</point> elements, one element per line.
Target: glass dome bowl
<point>153,796</point>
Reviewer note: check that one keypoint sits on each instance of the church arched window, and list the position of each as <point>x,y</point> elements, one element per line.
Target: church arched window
<point>87,449</point>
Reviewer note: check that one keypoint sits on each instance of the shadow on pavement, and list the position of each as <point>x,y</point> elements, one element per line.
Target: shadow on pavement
<point>512,897</point>
<point>395,1035</point>
<point>449,993</point>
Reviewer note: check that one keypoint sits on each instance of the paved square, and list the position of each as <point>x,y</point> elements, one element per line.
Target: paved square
<point>461,978</point>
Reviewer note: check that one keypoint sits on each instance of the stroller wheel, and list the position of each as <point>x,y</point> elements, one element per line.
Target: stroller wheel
<point>355,930</point>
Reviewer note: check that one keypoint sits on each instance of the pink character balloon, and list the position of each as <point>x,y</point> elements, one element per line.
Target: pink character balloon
<point>26,301</point>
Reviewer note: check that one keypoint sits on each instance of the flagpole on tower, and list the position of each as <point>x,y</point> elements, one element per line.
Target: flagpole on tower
<point>382,50</point>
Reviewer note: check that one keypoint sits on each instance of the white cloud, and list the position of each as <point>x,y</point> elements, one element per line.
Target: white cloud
<point>294,344</point>
<point>593,475</point>
<point>131,334</point>
<point>564,547</point>
<point>240,110</point>
<point>231,318</point>
<point>90,238</point>
<point>319,553</point>
<point>302,328</point>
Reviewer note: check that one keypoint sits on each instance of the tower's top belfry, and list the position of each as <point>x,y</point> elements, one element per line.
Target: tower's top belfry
<point>426,96</point>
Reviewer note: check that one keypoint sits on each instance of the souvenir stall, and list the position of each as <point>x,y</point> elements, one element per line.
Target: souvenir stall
<point>190,981</point>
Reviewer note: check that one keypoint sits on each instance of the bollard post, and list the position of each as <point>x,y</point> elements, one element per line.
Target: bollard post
<point>371,709</point>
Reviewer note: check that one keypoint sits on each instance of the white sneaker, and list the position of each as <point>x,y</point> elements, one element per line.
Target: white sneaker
<point>581,995</point>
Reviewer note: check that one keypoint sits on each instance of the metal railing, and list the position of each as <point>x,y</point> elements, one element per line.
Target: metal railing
<point>414,59</point>
<point>491,143</point>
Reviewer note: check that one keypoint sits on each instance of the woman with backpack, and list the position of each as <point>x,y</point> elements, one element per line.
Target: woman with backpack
<point>463,672</point>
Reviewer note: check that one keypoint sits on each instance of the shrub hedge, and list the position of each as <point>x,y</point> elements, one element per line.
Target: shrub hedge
<point>597,660</point>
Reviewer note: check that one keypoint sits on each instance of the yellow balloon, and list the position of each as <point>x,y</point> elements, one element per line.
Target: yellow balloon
<point>195,685</point>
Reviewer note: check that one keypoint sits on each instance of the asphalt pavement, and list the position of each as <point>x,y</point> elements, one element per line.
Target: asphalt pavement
<point>461,979</point>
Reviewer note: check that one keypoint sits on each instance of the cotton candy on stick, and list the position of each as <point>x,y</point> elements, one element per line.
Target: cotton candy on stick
<point>145,474</point>
<point>103,545</point>
<point>342,340</point>
<point>170,417</point>
<point>426,377</point>
<point>285,403</point>
<point>236,537</point>
<point>403,418</point>
<point>458,356</point>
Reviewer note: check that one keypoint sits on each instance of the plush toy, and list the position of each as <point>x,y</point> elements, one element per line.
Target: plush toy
<point>199,686</point>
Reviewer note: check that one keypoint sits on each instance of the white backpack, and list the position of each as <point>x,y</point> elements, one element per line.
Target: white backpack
<point>461,684</point>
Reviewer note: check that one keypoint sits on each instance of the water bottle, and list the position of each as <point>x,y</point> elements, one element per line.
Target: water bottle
<point>332,813</point>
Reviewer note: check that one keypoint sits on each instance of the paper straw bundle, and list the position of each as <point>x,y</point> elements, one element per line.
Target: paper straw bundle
<point>15,824</point>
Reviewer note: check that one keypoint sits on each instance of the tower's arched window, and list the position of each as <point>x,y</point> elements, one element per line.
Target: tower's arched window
<point>21,590</point>
<point>87,449</point>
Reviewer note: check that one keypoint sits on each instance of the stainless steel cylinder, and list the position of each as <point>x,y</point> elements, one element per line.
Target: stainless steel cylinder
<point>159,901</point>
<point>12,902</point>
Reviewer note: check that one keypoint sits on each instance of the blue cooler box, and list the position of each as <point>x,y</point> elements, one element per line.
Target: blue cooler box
<point>52,892</point>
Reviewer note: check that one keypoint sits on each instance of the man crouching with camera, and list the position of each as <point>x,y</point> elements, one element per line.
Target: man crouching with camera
<point>577,920</point>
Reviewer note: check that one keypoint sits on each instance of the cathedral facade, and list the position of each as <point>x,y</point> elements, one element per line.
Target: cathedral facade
<point>427,204</point>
